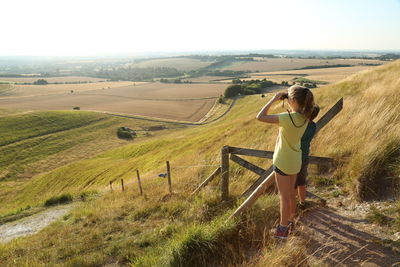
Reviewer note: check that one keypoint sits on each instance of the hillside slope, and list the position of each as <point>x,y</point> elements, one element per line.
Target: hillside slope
<point>166,230</point>
<point>38,142</point>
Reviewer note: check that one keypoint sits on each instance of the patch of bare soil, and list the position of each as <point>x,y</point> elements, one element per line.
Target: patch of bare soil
<point>32,224</point>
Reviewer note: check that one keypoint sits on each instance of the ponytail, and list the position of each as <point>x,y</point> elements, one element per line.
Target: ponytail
<point>315,112</point>
<point>308,106</point>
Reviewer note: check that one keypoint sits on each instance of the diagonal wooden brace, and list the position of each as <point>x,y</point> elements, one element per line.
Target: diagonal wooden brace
<point>248,165</point>
<point>206,181</point>
<point>268,181</point>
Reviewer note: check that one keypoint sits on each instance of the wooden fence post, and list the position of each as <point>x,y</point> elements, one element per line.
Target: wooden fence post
<point>140,184</point>
<point>225,173</point>
<point>122,185</point>
<point>111,185</point>
<point>169,178</point>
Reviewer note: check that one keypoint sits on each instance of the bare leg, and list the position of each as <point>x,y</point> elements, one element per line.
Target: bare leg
<point>292,200</point>
<point>301,189</point>
<point>285,191</point>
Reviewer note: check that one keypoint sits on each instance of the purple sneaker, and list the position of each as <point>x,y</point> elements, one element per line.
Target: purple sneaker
<point>281,232</point>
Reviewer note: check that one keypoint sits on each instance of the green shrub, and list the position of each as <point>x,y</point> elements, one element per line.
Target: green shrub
<point>233,90</point>
<point>40,82</point>
<point>125,133</point>
<point>63,199</point>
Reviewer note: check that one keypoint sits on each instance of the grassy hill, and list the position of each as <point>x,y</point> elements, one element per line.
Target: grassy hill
<point>38,142</point>
<point>163,230</point>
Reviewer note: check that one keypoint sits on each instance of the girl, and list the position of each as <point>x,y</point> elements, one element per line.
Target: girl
<point>287,155</point>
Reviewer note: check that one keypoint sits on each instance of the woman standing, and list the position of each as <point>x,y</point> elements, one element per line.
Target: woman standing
<point>287,155</point>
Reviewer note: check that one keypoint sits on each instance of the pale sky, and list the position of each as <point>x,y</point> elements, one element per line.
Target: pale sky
<point>86,27</point>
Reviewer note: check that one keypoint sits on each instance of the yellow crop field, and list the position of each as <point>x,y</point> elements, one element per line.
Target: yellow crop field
<point>329,75</point>
<point>278,64</point>
<point>34,90</point>
<point>52,79</point>
<point>186,102</point>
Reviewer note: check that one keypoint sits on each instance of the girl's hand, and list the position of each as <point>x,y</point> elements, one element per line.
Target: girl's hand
<point>278,96</point>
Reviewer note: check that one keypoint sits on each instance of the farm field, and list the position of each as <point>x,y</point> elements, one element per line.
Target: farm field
<point>329,75</point>
<point>278,64</point>
<point>182,64</point>
<point>18,90</point>
<point>209,79</point>
<point>52,79</point>
<point>186,102</point>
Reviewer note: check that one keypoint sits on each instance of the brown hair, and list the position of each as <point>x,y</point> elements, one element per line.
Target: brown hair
<point>304,98</point>
<point>315,112</point>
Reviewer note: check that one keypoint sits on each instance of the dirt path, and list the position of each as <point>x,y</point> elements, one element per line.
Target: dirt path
<point>32,224</point>
<point>337,237</point>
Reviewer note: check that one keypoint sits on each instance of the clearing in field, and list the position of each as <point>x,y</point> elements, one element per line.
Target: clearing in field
<point>185,102</point>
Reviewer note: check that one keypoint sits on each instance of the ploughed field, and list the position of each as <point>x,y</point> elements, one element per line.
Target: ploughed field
<point>186,102</point>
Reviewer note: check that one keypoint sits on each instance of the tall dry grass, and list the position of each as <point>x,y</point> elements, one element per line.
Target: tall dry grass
<point>364,136</point>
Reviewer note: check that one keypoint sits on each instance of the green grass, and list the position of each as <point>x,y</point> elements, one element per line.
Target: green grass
<point>39,142</point>
<point>375,216</point>
<point>21,127</point>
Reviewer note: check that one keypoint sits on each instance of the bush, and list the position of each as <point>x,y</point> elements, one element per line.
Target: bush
<point>63,199</point>
<point>233,90</point>
<point>248,92</point>
<point>40,82</point>
<point>249,87</point>
<point>76,108</point>
<point>125,133</point>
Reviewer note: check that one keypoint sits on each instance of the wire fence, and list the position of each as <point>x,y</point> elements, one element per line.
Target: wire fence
<point>158,175</point>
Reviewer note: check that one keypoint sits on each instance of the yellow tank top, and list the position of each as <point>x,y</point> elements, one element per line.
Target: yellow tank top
<point>287,154</point>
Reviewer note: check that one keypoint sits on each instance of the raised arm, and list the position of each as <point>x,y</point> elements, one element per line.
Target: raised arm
<point>263,114</point>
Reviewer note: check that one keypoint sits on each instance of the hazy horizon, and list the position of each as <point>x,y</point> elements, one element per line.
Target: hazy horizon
<point>98,28</point>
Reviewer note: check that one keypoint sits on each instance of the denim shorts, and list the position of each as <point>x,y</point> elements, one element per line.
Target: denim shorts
<point>302,175</point>
<point>277,170</point>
